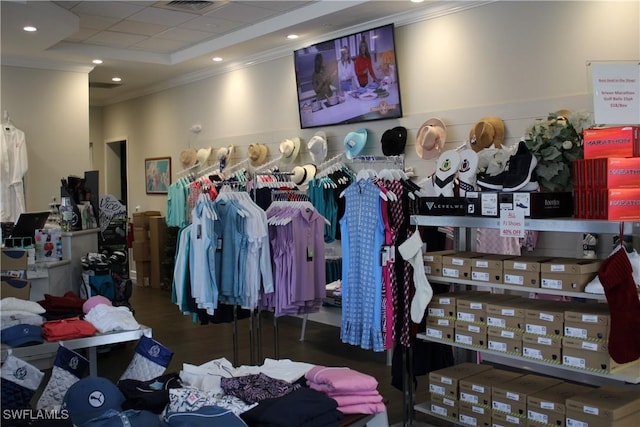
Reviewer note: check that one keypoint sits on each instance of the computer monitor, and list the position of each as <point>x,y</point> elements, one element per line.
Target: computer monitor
<point>26,226</point>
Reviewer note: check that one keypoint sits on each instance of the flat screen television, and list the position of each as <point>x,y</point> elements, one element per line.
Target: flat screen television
<point>348,79</point>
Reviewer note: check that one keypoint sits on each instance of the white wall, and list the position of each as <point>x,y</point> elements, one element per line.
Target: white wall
<point>52,108</point>
<point>516,60</point>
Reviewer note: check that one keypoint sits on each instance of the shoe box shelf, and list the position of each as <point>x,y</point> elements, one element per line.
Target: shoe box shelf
<point>449,280</point>
<point>569,225</point>
<point>630,374</point>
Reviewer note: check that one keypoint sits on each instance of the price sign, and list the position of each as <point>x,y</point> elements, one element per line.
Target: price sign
<point>511,223</point>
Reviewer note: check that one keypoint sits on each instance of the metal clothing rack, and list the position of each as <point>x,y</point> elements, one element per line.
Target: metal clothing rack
<point>257,312</point>
<point>397,161</point>
<point>188,171</point>
<point>235,167</point>
<point>267,165</point>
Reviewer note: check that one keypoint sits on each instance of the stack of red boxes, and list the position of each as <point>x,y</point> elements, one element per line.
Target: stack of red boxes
<point>607,181</point>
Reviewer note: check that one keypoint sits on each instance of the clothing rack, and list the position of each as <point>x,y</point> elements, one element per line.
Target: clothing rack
<point>285,195</point>
<point>208,169</point>
<point>397,161</point>
<point>236,166</point>
<point>189,170</point>
<point>276,339</point>
<point>269,163</point>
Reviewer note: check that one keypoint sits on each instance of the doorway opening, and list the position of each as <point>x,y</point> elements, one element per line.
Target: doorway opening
<point>116,170</point>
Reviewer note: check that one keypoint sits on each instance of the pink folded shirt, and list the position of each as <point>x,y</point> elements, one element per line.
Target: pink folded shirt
<point>341,379</point>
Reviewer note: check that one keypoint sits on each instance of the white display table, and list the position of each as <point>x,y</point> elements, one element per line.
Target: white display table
<point>42,355</point>
<point>76,244</point>
<point>51,278</point>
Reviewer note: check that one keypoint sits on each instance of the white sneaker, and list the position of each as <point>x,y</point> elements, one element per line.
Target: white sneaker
<point>595,286</point>
<point>634,259</point>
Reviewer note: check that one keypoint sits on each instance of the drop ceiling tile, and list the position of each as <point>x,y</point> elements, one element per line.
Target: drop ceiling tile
<point>185,35</point>
<point>160,45</point>
<point>213,25</point>
<point>82,35</point>
<point>279,6</point>
<point>113,39</point>
<point>155,15</point>
<point>136,27</point>
<point>95,22</point>
<point>241,13</point>
<point>112,9</point>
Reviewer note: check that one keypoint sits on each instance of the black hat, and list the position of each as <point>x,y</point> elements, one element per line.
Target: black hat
<point>393,141</point>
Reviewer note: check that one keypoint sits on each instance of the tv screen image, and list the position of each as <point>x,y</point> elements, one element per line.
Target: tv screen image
<point>349,79</point>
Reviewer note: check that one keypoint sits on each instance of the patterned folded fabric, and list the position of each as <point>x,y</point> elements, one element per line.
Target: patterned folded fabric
<point>256,387</point>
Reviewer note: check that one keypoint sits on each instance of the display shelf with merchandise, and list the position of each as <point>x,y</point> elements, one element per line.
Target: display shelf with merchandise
<point>585,295</point>
<point>627,375</point>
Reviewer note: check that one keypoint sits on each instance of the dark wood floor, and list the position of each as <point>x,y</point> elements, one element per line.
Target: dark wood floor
<point>197,344</point>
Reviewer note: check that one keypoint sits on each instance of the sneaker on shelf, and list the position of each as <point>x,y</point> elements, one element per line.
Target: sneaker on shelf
<point>634,259</point>
<point>594,287</point>
<point>519,168</point>
<point>491,182</point>
<point>589,243</point>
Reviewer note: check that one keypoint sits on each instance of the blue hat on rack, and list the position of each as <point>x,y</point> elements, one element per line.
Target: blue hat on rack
<point>354,142</point>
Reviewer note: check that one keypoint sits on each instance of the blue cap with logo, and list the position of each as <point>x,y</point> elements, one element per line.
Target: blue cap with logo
<point>19,335</point>
<point>90,398</point>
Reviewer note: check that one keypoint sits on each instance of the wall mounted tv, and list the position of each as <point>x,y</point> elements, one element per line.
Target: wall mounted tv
<point>349,79</point>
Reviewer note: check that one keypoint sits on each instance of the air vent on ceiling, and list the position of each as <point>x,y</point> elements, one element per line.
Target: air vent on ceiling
<point>192,6</point>
<point>101,85</point>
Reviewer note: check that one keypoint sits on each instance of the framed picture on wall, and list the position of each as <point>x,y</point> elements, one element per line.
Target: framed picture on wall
<point>157,174</point>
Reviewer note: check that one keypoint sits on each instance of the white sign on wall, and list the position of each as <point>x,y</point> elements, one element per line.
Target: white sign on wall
<point>616,93</point>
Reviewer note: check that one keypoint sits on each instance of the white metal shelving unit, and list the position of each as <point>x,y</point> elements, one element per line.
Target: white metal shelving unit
<point>624,375</point>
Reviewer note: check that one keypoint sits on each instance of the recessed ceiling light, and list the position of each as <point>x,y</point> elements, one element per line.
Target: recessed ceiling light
<point>97,61</point>
<point>216,59</point>
<point>30,28</point>
<point>417,1</point>
<point>116,79</point>
<point>292,36</point>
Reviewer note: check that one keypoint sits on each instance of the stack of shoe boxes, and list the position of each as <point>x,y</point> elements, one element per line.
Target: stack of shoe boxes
<point>544,324</point>
<point>471,317</point>
<point>443,387</point>
<point>547,407</point>
<point>585,340</point>
<point>482,395</point>
<point>604,406</point>
<point>441,315</point>
<point>509,399</point>
<point>433,261</point>
<point>523,271</point>
<point>506,324</point>
<point>607,180</point>
<point>568,274</point>
<point>488,267</point>
<point>458,265</point>
<point>474,406</point>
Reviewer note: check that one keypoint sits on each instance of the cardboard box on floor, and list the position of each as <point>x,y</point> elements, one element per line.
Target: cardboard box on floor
<point>14,274</point>
<point>157,243</point>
